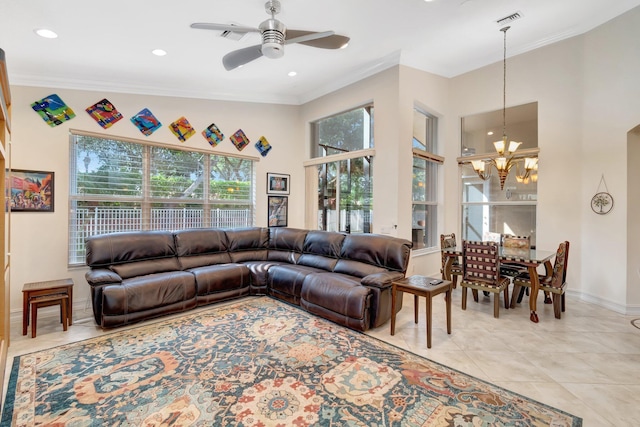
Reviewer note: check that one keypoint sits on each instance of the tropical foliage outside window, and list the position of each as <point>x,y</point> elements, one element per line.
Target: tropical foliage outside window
<point>126,186</point>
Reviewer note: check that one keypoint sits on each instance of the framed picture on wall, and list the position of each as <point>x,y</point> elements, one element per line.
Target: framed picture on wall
<point>277,183</point>
<point>31,191</point>
<point>277,211</point>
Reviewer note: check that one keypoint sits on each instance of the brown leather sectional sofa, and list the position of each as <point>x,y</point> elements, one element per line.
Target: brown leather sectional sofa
<point>345,278</point>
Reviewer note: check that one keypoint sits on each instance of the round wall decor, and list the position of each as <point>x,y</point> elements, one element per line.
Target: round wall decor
<point>602,203</point>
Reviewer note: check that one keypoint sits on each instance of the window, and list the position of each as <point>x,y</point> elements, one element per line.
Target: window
<point>424,211</point>
<point>342,174</point>
<point>488,211</point>
<point>120,185</point>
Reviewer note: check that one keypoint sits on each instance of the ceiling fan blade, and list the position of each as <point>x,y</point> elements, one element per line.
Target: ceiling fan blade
<point>224,27</point>
<point>241,56</point>
<point>324,40</point>
<point>308,37</point>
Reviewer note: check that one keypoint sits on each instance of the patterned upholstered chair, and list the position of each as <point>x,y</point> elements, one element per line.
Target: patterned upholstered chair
<point>481,271</point>
<point>449,241</point>
<point>555,283</point>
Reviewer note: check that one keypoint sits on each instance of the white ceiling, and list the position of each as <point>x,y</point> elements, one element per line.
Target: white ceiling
<point>106,46</point>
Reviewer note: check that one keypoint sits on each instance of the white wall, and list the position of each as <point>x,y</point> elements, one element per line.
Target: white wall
<point>39,240</point>
<point>633,198</point>
<point>588,100</point>
<point>611,109</point>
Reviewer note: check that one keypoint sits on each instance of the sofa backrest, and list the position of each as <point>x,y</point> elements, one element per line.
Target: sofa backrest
<point>133,253</point>
<point>286,244</point>
<point>199,247</point>
<point>138,253</point>
<point>321,249</point>
<point>363,254</point>
<point>248,244</point>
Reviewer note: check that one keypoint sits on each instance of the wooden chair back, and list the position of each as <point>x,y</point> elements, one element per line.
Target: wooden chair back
<point>560,265</point>
<point>481,261</point>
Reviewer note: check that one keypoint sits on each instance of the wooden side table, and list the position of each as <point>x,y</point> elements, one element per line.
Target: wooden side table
<point>38,290</point>
<point>419,286</point>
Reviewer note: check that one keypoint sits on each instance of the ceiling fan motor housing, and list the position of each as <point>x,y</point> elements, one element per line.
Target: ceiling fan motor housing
<point>273,36</point>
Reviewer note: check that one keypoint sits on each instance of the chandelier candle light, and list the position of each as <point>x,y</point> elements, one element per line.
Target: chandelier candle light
<point>504,162</point>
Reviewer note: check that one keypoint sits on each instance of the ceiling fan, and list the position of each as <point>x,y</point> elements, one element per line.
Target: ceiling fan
<point>274,36</point>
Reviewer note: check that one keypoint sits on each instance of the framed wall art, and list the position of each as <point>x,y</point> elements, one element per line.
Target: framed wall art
<point>277,211</point>
<point>31,191</point>
<point>277,183</point>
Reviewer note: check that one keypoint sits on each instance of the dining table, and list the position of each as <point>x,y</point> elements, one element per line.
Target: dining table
<point>531,258</point>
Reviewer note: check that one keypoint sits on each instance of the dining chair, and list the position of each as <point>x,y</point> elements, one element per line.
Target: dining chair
<point>449,241</point>
<point>555,283</point>
<point>481,271</point>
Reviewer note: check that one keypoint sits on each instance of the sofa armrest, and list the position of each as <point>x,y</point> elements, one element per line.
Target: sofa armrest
<point>102,276</point>
<point>381,280</point>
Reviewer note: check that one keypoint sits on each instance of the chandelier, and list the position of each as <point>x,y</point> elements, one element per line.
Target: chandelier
<point>506,149</point>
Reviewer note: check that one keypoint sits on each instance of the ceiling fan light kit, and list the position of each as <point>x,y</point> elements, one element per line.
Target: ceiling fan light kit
<point>273,32</point>
<point>274,36</point>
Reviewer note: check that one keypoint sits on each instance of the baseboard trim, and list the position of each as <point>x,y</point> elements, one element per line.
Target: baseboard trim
<point>609,305</point>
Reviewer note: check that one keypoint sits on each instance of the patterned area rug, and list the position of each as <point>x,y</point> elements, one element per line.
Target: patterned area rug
<point>254,362</point>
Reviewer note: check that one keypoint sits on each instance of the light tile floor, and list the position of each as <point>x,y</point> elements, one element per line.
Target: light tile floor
<point>587,363</point>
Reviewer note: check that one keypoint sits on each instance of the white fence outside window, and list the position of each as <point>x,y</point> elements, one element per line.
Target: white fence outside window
<point>90,222</point>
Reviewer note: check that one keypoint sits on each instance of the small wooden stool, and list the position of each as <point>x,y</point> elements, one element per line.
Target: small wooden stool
<point>46,301</point>
<point>39,290</point>
<point>420,286</point>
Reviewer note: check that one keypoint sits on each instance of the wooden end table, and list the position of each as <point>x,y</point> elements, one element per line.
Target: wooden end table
<point>38,290</point>
<point>419,286</point>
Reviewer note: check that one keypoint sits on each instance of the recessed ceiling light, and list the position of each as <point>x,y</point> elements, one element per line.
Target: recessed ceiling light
<point>490,133</point>
<point>47,34</point>
<point>292,74</point>
<point>159,52</point>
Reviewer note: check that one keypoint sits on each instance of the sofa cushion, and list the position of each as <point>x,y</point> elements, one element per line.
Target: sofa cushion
<point>199,247</point>
<point>321,249</point>
<point>248,244</point>
<point>141,268</point>
<point>338,293</point>
<point>285,281</point>
<point>286,244</point>
<point>377,250</point>
<point>325,243</point>
<point>259,274</point>
<point>221,277</point>
<point>148,292</point>
<point>356,268</point>
<point>119,248</point>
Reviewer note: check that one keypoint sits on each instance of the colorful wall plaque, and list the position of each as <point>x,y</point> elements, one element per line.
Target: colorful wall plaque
<point>53,110</point>
<point>146,122</point>
<point>239,139</point>
<point>104,113</point>
<point>213,135</point>
<point>182,129</point>
<point>263,146</point>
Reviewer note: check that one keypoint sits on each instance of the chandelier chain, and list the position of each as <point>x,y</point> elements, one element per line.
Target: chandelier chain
<point>504,84</point>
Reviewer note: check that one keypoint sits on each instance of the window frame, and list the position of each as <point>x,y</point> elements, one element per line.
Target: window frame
<point>431,182</point>
<point>515,194</point>
<point>144,201</point>
<point>316,162</point>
